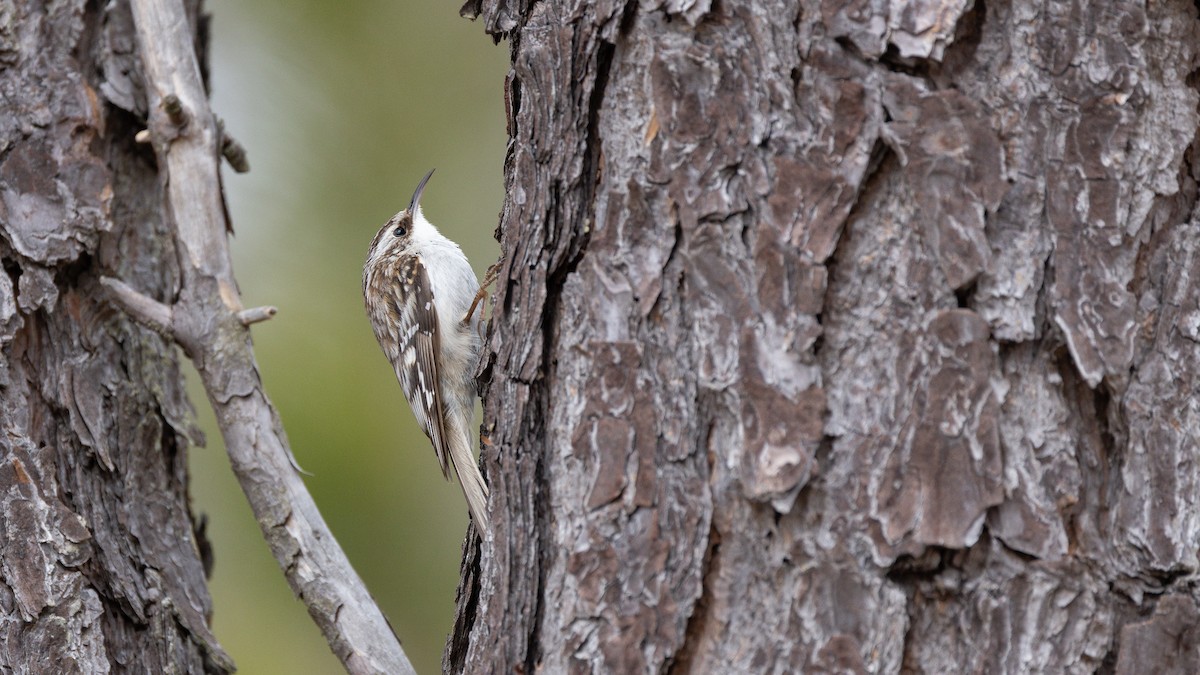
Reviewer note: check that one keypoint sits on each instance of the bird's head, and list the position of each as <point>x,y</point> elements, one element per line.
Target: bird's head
<point>397,235</point>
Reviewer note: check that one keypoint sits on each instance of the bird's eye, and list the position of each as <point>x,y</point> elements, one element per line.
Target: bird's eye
<point>400,231</point>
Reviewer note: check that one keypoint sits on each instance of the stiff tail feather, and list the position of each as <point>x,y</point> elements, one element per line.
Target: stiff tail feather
<point>471,481</point>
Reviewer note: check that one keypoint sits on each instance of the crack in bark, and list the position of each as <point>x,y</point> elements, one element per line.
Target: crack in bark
<point>542,516</point>
<point>681,661</point>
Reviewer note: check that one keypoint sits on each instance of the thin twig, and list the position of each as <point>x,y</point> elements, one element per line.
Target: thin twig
<point>209,322</point>
<point>256,315</point>
<point>143,309</point>
<point>231,150</point>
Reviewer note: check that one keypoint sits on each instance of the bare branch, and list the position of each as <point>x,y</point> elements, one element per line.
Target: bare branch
<point>143,309</point>
<point>233,151</point>
<point>175,111</point>
<point>210,323</point>
<point>256,315</point>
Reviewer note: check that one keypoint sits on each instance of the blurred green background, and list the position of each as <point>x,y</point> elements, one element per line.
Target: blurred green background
<point>342,108</point>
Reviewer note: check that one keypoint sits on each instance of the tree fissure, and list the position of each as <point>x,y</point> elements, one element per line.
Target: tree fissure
<point>697,622</point>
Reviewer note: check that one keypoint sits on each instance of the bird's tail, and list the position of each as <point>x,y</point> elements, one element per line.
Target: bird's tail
<point>469,478</point>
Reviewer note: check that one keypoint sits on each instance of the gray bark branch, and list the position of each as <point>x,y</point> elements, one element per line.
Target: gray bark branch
<point>209,322</point>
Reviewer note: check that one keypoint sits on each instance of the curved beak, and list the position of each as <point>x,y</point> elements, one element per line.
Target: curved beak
<point>416,198</point>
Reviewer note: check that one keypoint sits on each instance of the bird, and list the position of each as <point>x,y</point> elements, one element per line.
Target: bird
<point>420,294</point>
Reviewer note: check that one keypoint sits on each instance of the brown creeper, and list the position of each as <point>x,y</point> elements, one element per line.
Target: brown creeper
<point>418,287</point>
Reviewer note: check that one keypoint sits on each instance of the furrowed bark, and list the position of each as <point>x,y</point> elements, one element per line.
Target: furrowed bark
<point>841,336</point>
<point>101,562</point>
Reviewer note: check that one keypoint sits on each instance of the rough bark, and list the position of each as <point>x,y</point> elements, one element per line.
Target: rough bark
<point>842,336</point>
<point>102,562</point>
<point>100,557</point>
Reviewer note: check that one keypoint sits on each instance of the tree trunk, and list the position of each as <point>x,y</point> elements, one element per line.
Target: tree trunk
<point>843,337</point>
<point>101,558</point>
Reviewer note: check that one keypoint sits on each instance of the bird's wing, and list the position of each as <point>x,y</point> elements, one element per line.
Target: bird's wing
<point>420,351</point>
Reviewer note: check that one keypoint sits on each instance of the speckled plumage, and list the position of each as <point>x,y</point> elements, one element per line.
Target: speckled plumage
<point>418,286</point>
